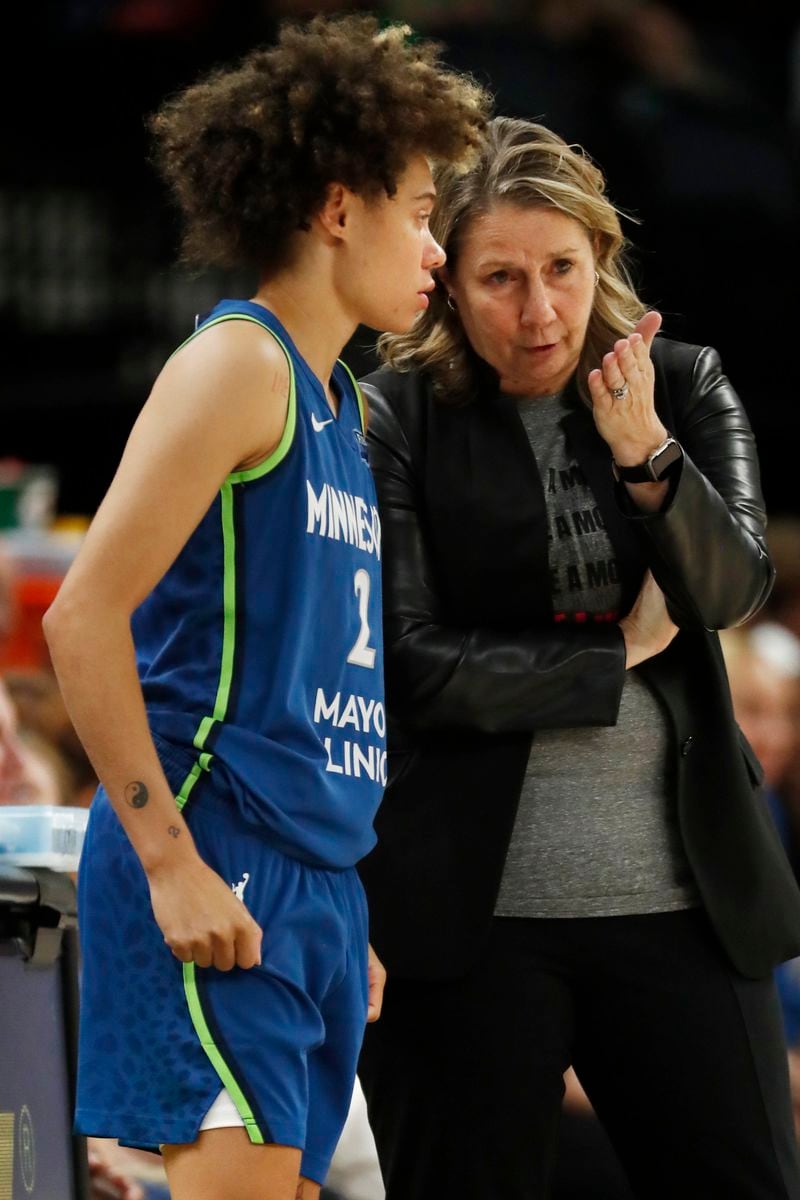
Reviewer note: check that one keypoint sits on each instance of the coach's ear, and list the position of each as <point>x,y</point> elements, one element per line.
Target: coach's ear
<point>334,216</point>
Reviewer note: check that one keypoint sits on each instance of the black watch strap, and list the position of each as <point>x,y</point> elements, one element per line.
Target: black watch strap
<point>654,468</point>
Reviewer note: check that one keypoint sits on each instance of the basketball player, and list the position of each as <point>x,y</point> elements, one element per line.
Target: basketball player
<point>218,638</point>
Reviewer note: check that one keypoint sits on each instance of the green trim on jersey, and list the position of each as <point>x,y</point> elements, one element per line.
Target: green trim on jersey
<point>282,449</point>
<point>228,644</point>
<point>217,1061</point>
<point>362,409</point>
<point>229,559</point>
<point>287,437</point>
<point>191,779</point>
<point>228,605</point>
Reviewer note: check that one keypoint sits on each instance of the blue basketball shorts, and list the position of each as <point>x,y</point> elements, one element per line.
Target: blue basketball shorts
<point>160,1039</point>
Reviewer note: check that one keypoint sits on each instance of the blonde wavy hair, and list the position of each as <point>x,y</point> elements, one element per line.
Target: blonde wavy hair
<point>530,166</point>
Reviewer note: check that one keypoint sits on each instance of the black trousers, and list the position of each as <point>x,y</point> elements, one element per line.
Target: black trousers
<point>683,1059</point>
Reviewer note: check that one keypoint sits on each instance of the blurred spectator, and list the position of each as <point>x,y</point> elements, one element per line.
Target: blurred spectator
<point>31,769</point>
<point>46,776</point>
<point>41,710</point>
<point>783,539</point>
<point>118,1166</point>
<point>782,610</point>
<point>10,750</point>
<point>764,688</point>
<point>7,602</point>
<point>763,663</point>
<point>107,1180</point>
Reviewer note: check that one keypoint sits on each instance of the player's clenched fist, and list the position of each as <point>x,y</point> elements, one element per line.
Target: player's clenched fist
<point>201,918</point>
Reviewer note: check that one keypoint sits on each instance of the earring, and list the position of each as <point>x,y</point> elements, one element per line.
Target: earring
<point>596,278</point>
<point>451,304</point>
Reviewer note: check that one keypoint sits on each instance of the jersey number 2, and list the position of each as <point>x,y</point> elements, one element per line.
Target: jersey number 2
<point>362,654</point>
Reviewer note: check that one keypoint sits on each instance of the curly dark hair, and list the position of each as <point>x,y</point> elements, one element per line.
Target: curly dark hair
<point>249,151</point>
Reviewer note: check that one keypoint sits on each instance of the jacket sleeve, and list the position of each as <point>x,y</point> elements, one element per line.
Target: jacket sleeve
<point>707,549</point>
<point>441,676</point>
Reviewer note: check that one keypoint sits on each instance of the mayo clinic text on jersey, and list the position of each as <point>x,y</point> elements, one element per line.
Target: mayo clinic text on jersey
<point>346,757</point>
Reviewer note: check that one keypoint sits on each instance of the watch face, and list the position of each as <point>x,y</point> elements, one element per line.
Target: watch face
<point>663,461</point>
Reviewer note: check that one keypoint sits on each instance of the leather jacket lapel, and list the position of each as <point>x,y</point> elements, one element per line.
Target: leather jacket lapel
<point>490,526</point>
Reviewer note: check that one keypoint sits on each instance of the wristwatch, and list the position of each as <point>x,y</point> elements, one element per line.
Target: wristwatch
<point>654,468</point>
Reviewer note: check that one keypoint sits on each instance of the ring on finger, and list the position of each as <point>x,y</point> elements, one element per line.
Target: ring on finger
<point>619,393</point>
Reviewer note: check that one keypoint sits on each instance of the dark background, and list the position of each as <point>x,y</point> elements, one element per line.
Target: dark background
<point>692,113</point>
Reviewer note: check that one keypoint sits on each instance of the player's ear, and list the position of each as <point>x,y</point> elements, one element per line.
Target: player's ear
<point>336,212</point>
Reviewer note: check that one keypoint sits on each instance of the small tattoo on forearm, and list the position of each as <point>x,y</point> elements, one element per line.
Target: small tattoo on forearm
<point>136,794</point>
<point>173,831</point>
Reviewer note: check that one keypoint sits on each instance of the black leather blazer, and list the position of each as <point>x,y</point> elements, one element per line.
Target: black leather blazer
<point>475,664</point>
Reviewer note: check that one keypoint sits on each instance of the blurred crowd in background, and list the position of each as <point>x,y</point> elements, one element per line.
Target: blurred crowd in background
<point>693,112</point>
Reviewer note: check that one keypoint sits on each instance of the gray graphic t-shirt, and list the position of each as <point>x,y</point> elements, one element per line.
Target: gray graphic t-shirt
<point>596,831</point>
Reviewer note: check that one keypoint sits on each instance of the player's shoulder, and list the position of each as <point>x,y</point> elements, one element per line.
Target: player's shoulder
<point>233,354</point>
<point>227,387</point>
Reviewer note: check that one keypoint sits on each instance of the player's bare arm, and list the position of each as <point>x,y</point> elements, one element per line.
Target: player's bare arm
<point>190,435</point>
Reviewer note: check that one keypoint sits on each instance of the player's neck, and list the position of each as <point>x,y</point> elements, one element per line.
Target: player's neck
<point>312,315</point>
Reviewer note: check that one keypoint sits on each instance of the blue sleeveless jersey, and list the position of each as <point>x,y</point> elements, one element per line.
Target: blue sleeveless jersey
<point>260,650</point>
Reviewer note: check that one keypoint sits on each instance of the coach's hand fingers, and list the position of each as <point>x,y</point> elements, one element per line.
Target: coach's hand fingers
<point>648,326</point>
<point>376,978</point>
